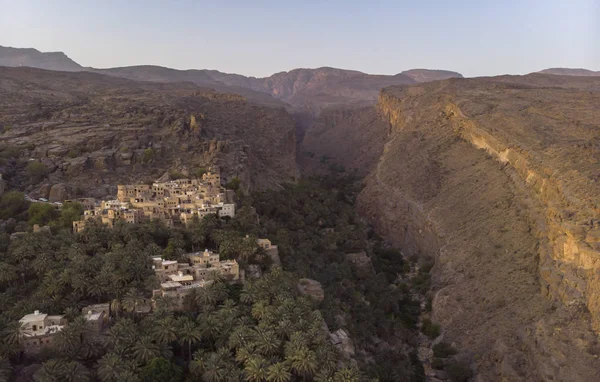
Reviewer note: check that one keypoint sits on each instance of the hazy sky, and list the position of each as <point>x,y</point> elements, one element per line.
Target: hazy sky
<point>262,37</point>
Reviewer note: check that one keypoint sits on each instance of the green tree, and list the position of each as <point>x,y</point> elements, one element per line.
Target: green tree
<point>36,171</point>
<point>161,370</point>
<point>13,205</point>
<point>42,213</point>
<point>188,333</point>
<point>234,183</point>
<point>69,213</point>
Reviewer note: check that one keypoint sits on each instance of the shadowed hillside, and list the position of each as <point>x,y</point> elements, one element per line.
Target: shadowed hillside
<point>92,131</point>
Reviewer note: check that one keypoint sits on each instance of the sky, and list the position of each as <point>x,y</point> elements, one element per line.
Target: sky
<point>259,38</point>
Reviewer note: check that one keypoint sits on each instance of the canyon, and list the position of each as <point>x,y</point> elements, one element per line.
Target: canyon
<point>495,179</point>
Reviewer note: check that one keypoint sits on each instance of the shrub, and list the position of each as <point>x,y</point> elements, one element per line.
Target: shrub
<point>148,155</point>
<point>174,175</point>
<point>430,329</point>
<point>234,184</point>
<point>7,152</point>
<point>73,153</point>
<point>443,350</point>
<point>437,364</point>
<point>12,204</point>
<point>199,172</point>
<point>459,371</point>
<point>37,171</point>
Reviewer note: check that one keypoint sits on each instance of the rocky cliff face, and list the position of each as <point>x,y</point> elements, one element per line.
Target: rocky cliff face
<point>497,180</point>
<point>92,132</point>
<point>352,137</point>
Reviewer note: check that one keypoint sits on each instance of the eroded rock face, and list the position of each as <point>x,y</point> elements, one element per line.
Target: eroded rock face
<point>312,288</point>
<point>342,341</point>
<point>497,179</point>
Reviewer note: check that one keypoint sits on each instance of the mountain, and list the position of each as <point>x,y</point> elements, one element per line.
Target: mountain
<point>305,90</point>
<point>94,131</point>
<point>570,72</point>
<point>36,59</point>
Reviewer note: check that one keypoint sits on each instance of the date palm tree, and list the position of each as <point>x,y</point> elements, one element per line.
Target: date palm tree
<point>51,370</point>
<point>145,349</point>
<point>75,372</point>
<point>278,372</point>
<point>188,333</point>
<point>347,375</point>
<point>303,361</point>
<point>165,331</point>
<point>110,368</point>
<point>255,369</point>
<point>14,331</point>
<point>133,301</point>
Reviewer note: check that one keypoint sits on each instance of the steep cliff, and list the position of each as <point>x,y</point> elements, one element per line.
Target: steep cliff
<point>497,180</point>
<point>93,131</point>
<point>351,137</point>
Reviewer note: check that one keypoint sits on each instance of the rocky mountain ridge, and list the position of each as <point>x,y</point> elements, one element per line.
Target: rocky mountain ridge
<point>92,132</point>
<point>306,90</point>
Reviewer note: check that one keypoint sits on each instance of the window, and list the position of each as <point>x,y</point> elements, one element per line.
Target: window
<point>34,327</point>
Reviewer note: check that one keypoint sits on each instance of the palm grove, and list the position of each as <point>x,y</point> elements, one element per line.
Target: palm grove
<point>261,331</point>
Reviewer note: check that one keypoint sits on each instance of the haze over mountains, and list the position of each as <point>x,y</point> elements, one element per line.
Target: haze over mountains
<point>303,89</point>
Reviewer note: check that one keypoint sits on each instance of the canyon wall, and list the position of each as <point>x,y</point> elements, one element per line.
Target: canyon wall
<point>497,180</point>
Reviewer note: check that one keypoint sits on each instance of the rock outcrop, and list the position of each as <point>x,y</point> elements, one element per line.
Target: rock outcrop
<point>311,288</point>
<point>497,180</point>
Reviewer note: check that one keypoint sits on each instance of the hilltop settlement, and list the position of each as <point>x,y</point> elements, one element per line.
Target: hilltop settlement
<point>172,202</point>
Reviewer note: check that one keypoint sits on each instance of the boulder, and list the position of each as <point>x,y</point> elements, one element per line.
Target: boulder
<point>58,193</point>
<point>45,190</point>
<point>341,340</point>
<point>361,263</point>
<point>312,288</point>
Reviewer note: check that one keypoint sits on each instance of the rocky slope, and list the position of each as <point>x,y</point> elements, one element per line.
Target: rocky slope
<point>306,90</point>
<point>570,72</point>
<point>93,131</point>
<point>497,180</point>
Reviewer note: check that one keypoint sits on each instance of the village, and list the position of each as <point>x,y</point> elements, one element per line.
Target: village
<point>172,202</point>
<point>175,202</point>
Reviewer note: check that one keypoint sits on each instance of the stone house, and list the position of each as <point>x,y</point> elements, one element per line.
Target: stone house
<point>39,330</point>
